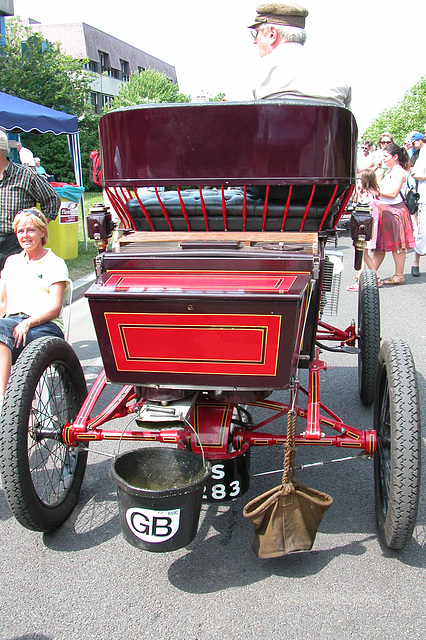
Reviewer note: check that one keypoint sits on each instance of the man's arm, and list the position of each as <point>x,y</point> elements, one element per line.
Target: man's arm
<point>46,195</point>
<point>419,170</point>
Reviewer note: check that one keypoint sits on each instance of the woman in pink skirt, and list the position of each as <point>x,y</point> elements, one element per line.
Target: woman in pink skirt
<point>394,229</point>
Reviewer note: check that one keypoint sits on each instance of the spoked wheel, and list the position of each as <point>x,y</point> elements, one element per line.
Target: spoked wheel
<point>368,334</point>
<point>397,460</point>
<point>41,476</point>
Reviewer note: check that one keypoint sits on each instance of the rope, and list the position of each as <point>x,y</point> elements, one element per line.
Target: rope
<point>290,448</point>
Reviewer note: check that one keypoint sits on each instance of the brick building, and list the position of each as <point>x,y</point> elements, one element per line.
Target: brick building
<point>111,59</point>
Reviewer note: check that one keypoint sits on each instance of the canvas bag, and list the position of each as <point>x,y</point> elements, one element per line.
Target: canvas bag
<point>286,518</point>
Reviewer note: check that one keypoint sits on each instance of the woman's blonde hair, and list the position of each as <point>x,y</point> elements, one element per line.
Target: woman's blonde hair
<point>36,217</point>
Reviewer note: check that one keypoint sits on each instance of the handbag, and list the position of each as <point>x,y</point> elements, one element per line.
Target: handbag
<point>411,200</point>
<point>286,518</point>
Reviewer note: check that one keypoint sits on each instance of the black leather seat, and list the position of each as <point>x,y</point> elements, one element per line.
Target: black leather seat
<point>234,200</point>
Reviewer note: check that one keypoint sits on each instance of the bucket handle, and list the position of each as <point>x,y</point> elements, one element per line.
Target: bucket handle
<point>199,441</point>
<point>184,419</point>
<point>121,438</point>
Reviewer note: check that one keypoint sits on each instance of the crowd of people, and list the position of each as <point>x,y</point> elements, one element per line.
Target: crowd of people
<point>385,174</point>
<point>27,159</point>
<point>279,35</point>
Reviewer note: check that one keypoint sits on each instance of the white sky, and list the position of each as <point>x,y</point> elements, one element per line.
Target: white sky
<point>376,45</point>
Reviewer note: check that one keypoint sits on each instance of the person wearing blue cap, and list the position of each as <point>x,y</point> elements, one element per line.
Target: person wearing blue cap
<point>418,172</point>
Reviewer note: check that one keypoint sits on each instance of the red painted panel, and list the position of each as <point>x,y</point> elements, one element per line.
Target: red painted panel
<point>263,282</point>
<point>223,344</point>
<point>211,421</point>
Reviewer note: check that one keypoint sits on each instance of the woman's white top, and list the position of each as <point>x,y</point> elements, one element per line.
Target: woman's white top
<point>28,283</point>
<point>389,182</point>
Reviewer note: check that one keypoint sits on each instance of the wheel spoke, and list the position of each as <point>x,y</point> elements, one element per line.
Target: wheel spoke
<point>384,444</point>
<point>49,458</point>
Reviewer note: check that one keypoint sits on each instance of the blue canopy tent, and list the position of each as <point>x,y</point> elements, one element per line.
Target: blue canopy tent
<point>25,116</point>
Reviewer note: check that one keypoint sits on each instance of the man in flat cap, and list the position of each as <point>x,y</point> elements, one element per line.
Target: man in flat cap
<point>285,73</point>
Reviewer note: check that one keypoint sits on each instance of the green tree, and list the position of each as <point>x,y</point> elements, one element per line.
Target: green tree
<point>36,70</point>
<point>54,153</point>
<point>218,98</point>
<point>407,115</point>
<point>147,86</point>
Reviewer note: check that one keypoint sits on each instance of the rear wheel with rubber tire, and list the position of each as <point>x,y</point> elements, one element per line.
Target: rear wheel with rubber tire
<point>368,334</point>
<point>397,459</point>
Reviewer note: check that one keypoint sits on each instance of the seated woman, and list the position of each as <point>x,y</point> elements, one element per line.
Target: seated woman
<point>32,286</point>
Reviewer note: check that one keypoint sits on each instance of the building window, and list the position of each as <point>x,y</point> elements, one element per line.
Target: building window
<point>92,66</point>
<point>125,70</point>
<point>113,73</point>
<point>106,101</point>
<point>103,61</point>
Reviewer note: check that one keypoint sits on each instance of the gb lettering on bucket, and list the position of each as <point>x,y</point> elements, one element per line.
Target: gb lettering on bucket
<point>153,526</point>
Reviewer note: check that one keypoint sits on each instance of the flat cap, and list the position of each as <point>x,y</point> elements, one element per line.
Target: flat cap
<point>290,15</point>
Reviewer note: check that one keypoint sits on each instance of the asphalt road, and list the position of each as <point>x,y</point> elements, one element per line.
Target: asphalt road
<point>85,582</point>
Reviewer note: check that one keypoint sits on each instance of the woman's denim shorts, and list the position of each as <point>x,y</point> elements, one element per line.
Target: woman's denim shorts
<point>8,324</point>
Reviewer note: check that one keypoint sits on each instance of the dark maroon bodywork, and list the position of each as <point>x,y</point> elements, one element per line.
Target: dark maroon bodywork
<point>228,143</point>
<point>301,160</point>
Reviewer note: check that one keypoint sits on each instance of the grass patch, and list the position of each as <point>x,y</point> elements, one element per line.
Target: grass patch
<point>83,264</point>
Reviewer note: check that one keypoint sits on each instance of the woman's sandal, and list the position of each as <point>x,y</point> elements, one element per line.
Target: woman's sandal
<point>355,286</point>
<point>393,281</point>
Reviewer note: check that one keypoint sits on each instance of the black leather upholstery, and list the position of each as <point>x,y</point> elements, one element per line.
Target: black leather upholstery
<point>234,199</point>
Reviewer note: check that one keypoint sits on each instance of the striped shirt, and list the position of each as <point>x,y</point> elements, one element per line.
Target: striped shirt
<point>23,188</point>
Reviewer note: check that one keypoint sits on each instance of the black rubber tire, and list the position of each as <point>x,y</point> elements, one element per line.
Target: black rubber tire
<point>368,334</point>
<point>41,476</point>
<point>397,460</point>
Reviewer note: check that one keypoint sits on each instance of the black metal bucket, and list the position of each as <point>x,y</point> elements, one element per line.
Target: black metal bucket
<point>159,496</point>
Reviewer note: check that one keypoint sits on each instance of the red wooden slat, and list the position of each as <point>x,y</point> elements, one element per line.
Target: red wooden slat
<point>287,207</point>
<point>308,206</point>
<point>265,208</point>
<point>324,218</point>
<point>203,207</point>
<point>182,206</point>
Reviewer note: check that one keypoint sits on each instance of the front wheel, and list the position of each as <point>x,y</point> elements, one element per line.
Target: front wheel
<point>41,476</point>
<point>368,334</point>
<point>397,459</point>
